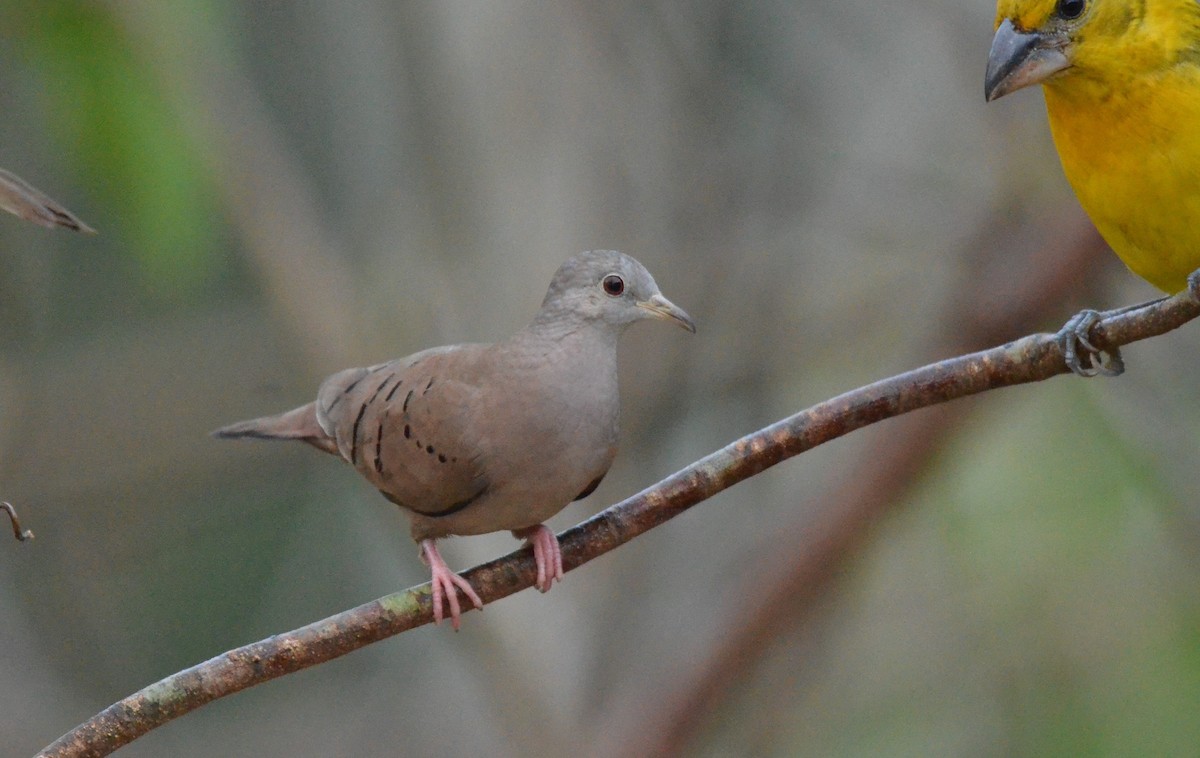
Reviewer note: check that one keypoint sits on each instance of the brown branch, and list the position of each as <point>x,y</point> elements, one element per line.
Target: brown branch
<point>1029,359</point>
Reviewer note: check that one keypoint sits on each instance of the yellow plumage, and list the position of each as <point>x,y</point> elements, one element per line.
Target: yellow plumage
<point>1122,86</point>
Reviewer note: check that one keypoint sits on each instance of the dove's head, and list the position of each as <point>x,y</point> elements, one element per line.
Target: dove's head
<point>609,287</point>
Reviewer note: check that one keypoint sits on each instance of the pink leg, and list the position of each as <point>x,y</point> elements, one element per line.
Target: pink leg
<point>546,554</point>
<point>446,584</point>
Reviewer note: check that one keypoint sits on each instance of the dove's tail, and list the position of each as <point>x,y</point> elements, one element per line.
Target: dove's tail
<point>299,424</point>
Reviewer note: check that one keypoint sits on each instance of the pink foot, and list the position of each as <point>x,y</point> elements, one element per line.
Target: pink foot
<point>546,554</point>
<point>446,584</point>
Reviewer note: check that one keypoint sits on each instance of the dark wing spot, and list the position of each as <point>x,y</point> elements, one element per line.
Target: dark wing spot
<point>429,449</point>
<point>379,449</point>
<point>407,398</point>
<point>349,388</point>
<point>379,389</point>
<point>427,386</point>
<point>407,432</point>
<point>388,398</point>
<point>441,458</point>
<point>591,487</point>
<point>452,509</point>
<point>361,412</point>
<point>354,434</point>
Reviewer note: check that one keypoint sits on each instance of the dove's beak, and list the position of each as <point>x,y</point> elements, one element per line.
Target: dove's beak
<point>660,307</point>
<point>1019,59</point>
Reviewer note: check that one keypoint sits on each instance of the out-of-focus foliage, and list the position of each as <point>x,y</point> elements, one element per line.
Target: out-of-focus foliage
<point>820,184</point>
<point>106,114</point>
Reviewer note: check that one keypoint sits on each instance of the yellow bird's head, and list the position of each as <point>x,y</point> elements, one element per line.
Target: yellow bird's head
<point>1104,41</point>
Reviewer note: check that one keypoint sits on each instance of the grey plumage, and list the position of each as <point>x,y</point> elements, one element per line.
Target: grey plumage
<point>478,438</point>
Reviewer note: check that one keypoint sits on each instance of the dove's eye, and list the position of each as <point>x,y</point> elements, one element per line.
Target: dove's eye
<point>613,285</point>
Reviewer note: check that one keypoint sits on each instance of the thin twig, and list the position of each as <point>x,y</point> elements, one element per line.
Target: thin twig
<point>21,534</point>
<point>789,581</point>
<point>1029,359</point>
<point>268,197</point>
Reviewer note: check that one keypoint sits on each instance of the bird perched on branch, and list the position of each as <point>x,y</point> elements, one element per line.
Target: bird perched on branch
<point>479,438</point>
<point>1122,85</point>
<point>20,198</point>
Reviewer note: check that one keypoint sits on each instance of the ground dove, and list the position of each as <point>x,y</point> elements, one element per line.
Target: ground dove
<point>471,439</point>
<point>20,199</point>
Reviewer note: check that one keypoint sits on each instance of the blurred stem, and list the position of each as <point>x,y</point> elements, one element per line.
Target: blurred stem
<point>266,193</point>
<point>1030,359</point>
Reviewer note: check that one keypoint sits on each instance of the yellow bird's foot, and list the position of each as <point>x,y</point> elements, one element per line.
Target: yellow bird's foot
<point>1082,357</point>
<point>1193,286</point>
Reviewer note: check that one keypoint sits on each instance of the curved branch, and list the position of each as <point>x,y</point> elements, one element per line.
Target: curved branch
<point>1032,358</point>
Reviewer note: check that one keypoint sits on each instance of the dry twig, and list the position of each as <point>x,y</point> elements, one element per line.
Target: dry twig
<point>21,534</point>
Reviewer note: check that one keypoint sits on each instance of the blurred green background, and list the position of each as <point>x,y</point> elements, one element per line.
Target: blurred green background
<point>286,189</point>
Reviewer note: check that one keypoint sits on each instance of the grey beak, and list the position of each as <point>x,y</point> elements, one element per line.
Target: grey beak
<point>1020,59</point>
<point>660,307</point>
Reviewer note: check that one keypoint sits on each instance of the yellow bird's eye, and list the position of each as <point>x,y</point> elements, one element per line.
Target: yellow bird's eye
<point>1071,9</point>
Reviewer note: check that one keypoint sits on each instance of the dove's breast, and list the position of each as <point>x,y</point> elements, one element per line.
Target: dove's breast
<point>478,438</point>
<point>550,439</point>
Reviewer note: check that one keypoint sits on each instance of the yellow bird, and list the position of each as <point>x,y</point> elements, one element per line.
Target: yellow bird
<point>1122,86</point>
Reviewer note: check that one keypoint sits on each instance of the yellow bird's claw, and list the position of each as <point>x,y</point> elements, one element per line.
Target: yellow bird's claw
<point>1193,285</point>
<point>1081,356</point>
